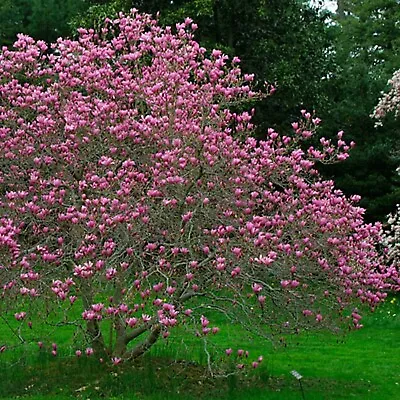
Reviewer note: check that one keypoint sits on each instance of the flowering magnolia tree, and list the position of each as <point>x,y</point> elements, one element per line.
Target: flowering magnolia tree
<point>390,103</point>
<point>133,201</point>
<point>391,238</point>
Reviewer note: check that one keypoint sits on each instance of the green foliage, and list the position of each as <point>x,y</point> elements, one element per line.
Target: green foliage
<point>12,20</point>
<point>41,19</point>
<point>95,15</point>
<point>367,52</point>
<point>49,18</point>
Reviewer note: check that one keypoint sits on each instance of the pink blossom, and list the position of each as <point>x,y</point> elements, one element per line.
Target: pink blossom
<point>256,288</point>
<point>116,360</point>
<point>146,318</point>
<point>237,251</point>
<point>187,217</point>
<point>261,299</point>
<point>170,290</point>
<point>165,334</point>
<point>235,272</point>
<point>131,322</point>
<point>20,316</point>
<point>204,321</point>
<point>110,273</point>
<point>89,351</point>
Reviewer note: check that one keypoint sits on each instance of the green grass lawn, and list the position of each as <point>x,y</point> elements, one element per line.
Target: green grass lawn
<point>363,365</point>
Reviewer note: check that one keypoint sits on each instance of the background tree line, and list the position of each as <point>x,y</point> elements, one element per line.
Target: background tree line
<point>335,64</point>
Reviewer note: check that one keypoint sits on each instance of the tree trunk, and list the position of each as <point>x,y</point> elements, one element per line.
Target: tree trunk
<point>93,331</point>
<point>142,347</point>
<point>96,338</point>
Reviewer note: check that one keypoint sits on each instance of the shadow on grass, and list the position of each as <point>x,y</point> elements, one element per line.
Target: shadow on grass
<point>153,378</point>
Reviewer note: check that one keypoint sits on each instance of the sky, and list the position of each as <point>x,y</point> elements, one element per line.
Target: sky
<point>328,4</point>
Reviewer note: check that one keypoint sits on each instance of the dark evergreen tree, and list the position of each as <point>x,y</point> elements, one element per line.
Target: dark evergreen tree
<point>367,53</point>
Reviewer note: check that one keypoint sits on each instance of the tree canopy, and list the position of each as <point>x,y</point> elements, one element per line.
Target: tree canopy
<point>336,64</point>
<point>132,197</point>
